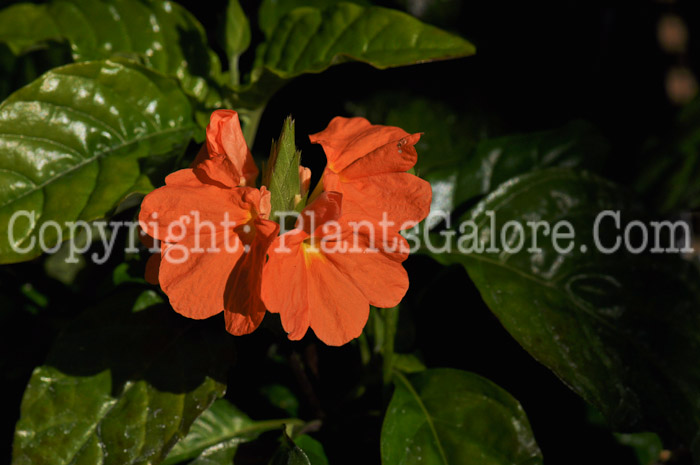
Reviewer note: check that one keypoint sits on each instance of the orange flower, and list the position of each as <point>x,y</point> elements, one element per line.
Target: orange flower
<point>226,145</point>
<point>367,163</point>
<point>322,275</point>
<point>207,223</point>
<point>314,279</point>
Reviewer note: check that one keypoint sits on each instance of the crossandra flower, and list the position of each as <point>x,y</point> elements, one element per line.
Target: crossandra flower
<point>206,222</point>
<point>314,279</point>
<point>221,252</point>
<point>368,164</point>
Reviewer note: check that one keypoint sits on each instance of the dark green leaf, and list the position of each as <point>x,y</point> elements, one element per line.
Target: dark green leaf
<point>313,449</point>
<point>72,142</point>
<point>575,145</point>
<point>281,397</point>
<point>289,453</point>
<point>621,329</point>
<point>446,416</point>
<point>68,261</point>
<point>407,363</point>
<point>216,434</point>
<point>309,40</point>
<point>162,34</point>
<point>120,387</point>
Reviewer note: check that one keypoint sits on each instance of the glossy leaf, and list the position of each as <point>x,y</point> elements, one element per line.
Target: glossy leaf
<point>446,416</point>
<point>312,448</point>
<point>72,144</point>
<point>288,453</point>
<point>24,26</point>
<point>271,11</point>
<point>309,40</point>
<point>493,161</point>
<point>217,433</point>
<point>162,34</point>
<point>619,328</point>
<point>120,387</point>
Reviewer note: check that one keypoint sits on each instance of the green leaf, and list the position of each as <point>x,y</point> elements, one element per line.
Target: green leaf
<point>312,448</point>
<point>289,453</point>
<point>282,173</point>
<point>25,26</point>
<point>446,416</point>
<point>66,263</point>
<point>162,34</point>
<point>72,143</point>
<point>574,145</point>
<point>217,433</point>
<point>237,38</point>
<point>271,11</point>
<point>408,363</point>
<point>309,40</point>
<point>281,397</point>
<point>620,328</point>
<point>120,387</point>
<point>237,29</point>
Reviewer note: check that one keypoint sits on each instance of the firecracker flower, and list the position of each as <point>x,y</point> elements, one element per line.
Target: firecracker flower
<point>222,252</point>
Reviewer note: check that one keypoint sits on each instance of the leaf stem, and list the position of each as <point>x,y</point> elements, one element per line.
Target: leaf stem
<point>234,72</point>
<point>250,128</point>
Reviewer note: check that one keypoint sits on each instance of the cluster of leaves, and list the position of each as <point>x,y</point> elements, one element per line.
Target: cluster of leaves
<point>129,381</point>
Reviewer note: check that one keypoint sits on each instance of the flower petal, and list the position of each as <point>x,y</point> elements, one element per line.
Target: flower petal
<point>402,197</point>
<point>326,207</point>
<point>195,282</point>
<point>244,309</point>
<point>339,310</point>
<point>284,283</point>
<point>185,204</point>
<point>304,180</point>
<point>394,157</point>
<point>225,137</point>
<point>346,140</point>
<point>152,267</point>
<point>376,272</point>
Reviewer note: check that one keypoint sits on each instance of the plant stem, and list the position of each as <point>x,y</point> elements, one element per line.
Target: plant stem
<point>234,73</point>
<point>250,128</point>
<point>391,319</point>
